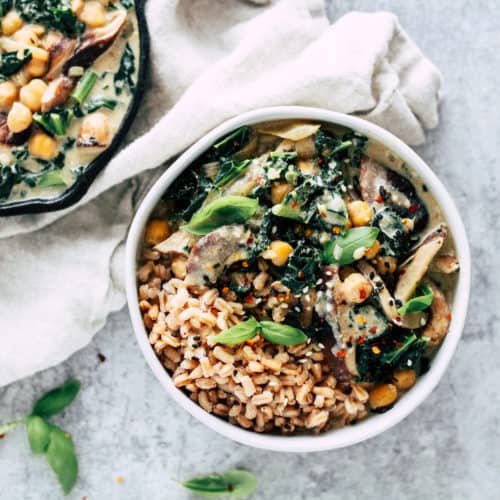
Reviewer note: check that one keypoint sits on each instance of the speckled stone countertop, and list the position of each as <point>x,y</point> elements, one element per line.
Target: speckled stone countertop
<point>124,425</point>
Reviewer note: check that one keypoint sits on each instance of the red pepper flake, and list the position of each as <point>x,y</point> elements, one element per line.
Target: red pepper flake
<point>301,275</point>
<point>341,354</point>
<point>320,161</point>
<point>398,319</point>
<point>373,329</point>
<point>361,340</point>
<point>413,208</point>
<point>101,357</point>
<point>249,299</point>
<point>214,310</point>
<point>362,294</point>
<point>378,199</point>
<point>448,316</point>
<point>250,240</point>
<point>244,264</point>
<point>294,204</point>
<point>225,289</point>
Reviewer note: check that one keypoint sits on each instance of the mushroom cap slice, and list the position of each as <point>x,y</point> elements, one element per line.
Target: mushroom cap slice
<point>439,323</point>
<point>96,42</point>
<point>445,264</point>
<point>215,251</point>
<point>409,321</point>
<point>413,272</point>
<point>57,92</point>
<point>60,52</point>
<point>176,244</point>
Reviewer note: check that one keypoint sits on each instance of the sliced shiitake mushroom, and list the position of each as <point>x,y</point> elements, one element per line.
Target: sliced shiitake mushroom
<point>176,244</point>
<point>57,92</point>
<point>60,52</point>
<point>438,325</point>
<point>412,273</point>
<point>445,264</point>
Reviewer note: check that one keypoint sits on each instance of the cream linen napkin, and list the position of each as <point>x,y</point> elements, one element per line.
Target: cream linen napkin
<point>61,273</point>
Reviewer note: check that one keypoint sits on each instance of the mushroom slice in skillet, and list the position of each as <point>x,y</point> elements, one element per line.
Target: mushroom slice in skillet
<point>96,42</point>
<point>413,271</point>
<point>379,184</point>
<point>60,52</point>
<point>409,321</point>
<point>437,328</point>
<point>177,243</point>
<point>57,92</point>
<point>215,251</point>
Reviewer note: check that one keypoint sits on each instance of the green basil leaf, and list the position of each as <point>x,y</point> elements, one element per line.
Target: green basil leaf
<point>348,248</point>
<point>221,212</point>
<point>280,334</point>
<point>238,333</point>
<point>56,400</point>
<point>38,434</point>
<point>242,482</point>
<point>228,170</point>
<point>9,426</point>
<point>419,303</point>
<point>61,457</point>
<point>234,483</point>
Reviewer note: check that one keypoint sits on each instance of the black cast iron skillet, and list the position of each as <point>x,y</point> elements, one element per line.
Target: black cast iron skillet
<point>74,193</point>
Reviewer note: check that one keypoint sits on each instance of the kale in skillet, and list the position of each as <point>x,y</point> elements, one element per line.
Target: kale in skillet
<point>11,63</point>
<point>124,77</point>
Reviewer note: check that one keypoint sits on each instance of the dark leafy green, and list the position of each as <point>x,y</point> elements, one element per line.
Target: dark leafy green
<point>418,303</point>
<point>302,268</point>
<point>51,178</point>
<point>84,87</point>
<point>11,63</point>
<point>189,192</point>
<point>124,77</point>
<point>128,4</point>
<point>38,434</point>
<point>344,250</point>
<point>281,334</point>
<point>234,483</point>
<point>228,170</point>
<point>96,103</point>
<point>57,400</point>
<point>54,14</point>
<point>239,333</point>
<point>54,122</point>
<point>230,144</point>
<point>376,360</point>
<point>62,459</point>
<point>223,211</point>
<point>5,6</point>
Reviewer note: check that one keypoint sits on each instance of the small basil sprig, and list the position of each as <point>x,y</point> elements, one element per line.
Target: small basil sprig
<point>234,483</point>
<point>226,210</point>
<point>350,247</point>
<point>276,333</point>
<point>419,303</point>
<point>48,439</point>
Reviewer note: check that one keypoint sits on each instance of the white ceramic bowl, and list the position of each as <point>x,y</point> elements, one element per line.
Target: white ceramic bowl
<point>374,424</point>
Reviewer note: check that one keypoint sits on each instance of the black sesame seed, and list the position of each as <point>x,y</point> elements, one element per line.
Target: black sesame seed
<point>425,188</point>
<point>387,265</point>
<point>398,303</point>
<point>372,275</point>
<point>391,302</point>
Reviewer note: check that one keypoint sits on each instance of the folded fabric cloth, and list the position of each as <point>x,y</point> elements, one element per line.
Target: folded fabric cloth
<point>61,273</point>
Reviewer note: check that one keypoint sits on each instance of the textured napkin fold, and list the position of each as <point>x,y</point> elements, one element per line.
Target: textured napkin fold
<point>61,273</point>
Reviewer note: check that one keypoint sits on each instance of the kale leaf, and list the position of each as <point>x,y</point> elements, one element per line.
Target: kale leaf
<point>54,14</point>
<point>5,6</point>
<point>376,360</point>
<point>125,74</point>
<point>128,4</point>
<point>10,63</point>
<point>230,144</point>
<point>303,267</point>
<point>228,170</point>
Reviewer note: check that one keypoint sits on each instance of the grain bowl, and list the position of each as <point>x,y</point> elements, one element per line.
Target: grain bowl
<point>298,279</point>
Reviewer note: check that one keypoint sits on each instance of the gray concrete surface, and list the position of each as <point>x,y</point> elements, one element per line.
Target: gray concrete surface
<point>124,425</point>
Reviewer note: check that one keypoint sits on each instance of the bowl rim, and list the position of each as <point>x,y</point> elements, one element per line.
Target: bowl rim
<point>82,184</point>
<point>375,424</point>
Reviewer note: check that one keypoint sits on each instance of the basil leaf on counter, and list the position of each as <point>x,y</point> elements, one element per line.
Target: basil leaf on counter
<point>234,483</point>
<point>238,333</point>
<point>419,303</point>
<point>350,247</point>
<point>221,212</point>
<point>38,434</point>
<point>56,400</point>
<point>61,458</point>
<point>228,170</point>
<point>278,333</point>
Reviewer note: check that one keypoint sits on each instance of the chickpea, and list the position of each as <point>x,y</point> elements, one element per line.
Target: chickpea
<point>42,146</point>
<point>279,190</point>
<point>95,128</point>
<point>36,68</point>
<point>8,95</point>
<point>359,212</point>
<point>93,14</point>
<point>386,264</point>
<point>31,94</point>
<point>278,252</point>
<point>77,6</point>
<point>356,288</point>
<point>382,396</point>
<point>19,118</point>
<point>11,23</point>
<point>157,230</point>
<point>27,35</point>
<point>372,252</point>
<point>404,379</point>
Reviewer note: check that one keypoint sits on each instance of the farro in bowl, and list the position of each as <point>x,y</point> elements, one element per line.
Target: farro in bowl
<point>296,271</point>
